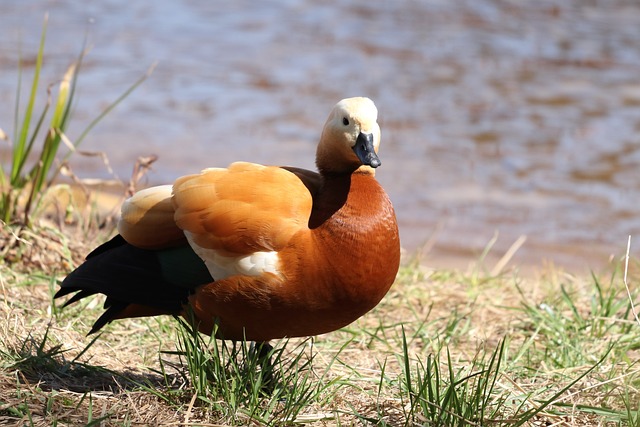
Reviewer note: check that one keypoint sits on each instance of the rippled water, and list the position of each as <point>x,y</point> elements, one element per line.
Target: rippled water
<point>497,115</point>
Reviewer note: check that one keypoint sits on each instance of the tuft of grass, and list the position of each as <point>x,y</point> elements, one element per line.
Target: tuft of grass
<point>247,382</point>
<point>33,167</point>
<point>452,397</point>
<point>32,355</point>
<point>567,330</point>
<point>440,392</point>
<point>574,350</point>
<point>22,186</point>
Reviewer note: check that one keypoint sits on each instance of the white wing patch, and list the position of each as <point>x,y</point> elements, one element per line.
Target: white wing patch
<point>221,267</point>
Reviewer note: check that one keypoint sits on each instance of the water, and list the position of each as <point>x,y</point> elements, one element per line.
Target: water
<point>497,115</point>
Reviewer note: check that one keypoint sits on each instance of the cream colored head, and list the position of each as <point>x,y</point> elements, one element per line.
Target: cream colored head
<point>350,138</point>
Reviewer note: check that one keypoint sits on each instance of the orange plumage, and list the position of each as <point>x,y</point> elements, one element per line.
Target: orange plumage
<point>257,252</point>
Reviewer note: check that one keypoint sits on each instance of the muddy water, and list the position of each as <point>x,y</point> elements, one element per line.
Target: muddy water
<point>521,118</point>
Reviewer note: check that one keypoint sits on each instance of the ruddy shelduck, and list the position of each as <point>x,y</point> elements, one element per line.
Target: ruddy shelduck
<point>256,252</point>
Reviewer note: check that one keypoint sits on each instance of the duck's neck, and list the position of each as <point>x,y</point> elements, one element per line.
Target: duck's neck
<point>331,198</point>
<point>355,230</point>
<point>353,207</point>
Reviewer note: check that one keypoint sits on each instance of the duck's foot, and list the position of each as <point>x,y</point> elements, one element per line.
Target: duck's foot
<point>263,352</point>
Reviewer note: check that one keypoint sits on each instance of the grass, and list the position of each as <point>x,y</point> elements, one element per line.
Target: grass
<point>22,186</point>
<point>443,349</point>
<point>28,181</point>
<point>242,382</point>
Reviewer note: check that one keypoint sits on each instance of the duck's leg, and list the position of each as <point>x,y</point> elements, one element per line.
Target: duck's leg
<point>263,352</point>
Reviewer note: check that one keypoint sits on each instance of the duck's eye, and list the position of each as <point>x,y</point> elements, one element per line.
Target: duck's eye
<point>345,121</point>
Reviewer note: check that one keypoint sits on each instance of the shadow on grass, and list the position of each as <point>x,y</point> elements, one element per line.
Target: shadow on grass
<point>35,361</point>
<point>236,383</point>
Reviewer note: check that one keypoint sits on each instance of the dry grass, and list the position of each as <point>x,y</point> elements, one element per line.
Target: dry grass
<point>555,327</point>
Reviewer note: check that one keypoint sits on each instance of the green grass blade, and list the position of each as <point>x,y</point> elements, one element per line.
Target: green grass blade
<point>533,412</point>
<point>86,348</point>
<point>20,180</point>
<point>19,149</point>
<point>493,371</point>
<point>16,107</point>
<point>113,105</point>
<point>407,377</point>
<point>53,137</point>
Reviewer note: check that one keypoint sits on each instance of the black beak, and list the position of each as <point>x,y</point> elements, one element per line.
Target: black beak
<point>364,150</point>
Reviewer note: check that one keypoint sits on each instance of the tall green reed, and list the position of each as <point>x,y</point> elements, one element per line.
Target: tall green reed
<point>25,179</point>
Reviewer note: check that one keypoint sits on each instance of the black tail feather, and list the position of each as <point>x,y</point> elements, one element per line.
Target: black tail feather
<point>77,297</point>
<point>161,279</point>
<point>114,243</point>
<point>108,316</point>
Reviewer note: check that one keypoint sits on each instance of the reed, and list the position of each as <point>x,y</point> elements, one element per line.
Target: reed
<point>39,136</point>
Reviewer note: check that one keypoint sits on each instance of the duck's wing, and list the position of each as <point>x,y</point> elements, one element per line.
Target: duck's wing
<point>147,222</point>
<point>243,209</point>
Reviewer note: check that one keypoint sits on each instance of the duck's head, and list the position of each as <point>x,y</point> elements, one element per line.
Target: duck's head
<point>350,138</point>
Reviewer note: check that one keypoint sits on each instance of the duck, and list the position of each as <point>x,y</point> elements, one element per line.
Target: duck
<point>253,252</point>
